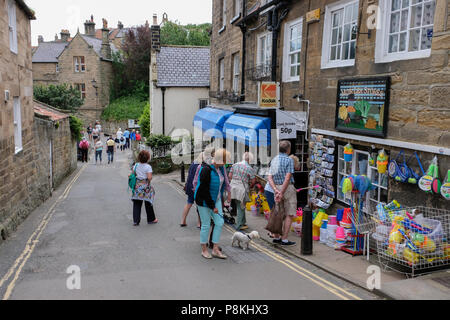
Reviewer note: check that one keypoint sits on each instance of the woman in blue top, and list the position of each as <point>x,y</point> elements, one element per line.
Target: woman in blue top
<point>208,197</point>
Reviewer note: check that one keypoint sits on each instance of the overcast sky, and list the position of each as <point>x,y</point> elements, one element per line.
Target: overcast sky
<point>53,16</point>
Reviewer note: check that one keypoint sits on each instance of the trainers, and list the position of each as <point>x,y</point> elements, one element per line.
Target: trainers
<point>277,241</point>
<point>244,228</point>
<point>289,243</point>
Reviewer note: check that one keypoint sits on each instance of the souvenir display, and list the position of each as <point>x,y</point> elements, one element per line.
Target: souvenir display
<point>445,189</point>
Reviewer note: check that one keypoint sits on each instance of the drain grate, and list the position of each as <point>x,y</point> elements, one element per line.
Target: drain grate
<point>445,281</point>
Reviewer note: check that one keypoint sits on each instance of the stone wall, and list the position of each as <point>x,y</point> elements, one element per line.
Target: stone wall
<point>44,74</point>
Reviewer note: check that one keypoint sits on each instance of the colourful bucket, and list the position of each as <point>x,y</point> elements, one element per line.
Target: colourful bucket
<point>332,221</point>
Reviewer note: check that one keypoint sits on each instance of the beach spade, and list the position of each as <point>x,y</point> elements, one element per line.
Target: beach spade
<point>436,184</point>
<point>445,189</point>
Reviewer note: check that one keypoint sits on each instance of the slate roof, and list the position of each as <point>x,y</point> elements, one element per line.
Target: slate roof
<point>97,44</point>
<point>49,52</point>
<point>183,67</point>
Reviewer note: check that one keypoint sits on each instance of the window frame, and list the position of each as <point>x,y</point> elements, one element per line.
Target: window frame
<point>382,54</point>
<point>327,35</point>
<point>82,88</point>
<point>267,64</point>
<point>221,74</point>
<point>12,26</point>
<point>17,121</point>
<point>79,62</point>
<point>287,77</point>
<point>237,10</point>
<point>236,72</point>
<point>224,14</point>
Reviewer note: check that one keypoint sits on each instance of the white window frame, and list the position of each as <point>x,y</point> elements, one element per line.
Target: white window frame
<point>343,167</point>
<point>237,10</point>
<point>263,3</point>
<point>236,72</point>
<point>221,75</point>
<point>287,77</point>
<point>267,52</point>
<point>224,14</point>
<point>12,26</point>
<point>78,65</point>
<point>79,87</point>
<point>382,40</point>
<point>327,36</point>
<point>17,125</point>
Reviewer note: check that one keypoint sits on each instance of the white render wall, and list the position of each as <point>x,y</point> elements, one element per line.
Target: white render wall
<point>181,106</point>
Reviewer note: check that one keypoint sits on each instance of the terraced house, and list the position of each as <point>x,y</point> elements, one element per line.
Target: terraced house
<point>374,73</point>
<point>84,62</point>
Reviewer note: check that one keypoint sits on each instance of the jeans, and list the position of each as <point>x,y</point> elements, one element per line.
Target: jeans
<point>240,219</point>
<point>98,154</point>
<point>206,214</point>
<point>137,208</point>
<point>127,144</point>
<point>110,156</point>
<point>84,155</point>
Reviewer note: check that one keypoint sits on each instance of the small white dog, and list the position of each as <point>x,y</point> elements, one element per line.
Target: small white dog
<point>244,239</point>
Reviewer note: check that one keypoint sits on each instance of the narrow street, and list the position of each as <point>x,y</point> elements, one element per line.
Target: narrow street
<point>88,223</point>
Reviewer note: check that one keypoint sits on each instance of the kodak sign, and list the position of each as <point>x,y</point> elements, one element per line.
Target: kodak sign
<point>268,96</point>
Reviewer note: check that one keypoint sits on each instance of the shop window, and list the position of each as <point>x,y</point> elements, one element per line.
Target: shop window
<point>340,33</point>
<point>236,73</point>
<point>292,50</point>
<point>302,152</point>
<point>12,26</point>
<point>407,30</point>
<point>203,103</point>
<point>17,125</point>
<point>360,166</point>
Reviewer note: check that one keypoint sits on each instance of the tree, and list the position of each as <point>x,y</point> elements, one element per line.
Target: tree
<point>144,121</point>
<point>173,33</point>
<point>60,96</point>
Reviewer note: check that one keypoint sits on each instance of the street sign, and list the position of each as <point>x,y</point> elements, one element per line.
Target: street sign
<point>289,123</point>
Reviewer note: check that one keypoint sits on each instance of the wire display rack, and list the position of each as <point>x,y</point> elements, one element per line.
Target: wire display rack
<point>414,241</point>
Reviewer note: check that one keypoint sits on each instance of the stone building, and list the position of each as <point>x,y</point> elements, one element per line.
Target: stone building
<point>24,175</point>
<point>84,62</point>
<point>314,50</point>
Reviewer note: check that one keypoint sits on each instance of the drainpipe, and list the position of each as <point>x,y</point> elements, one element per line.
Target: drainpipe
<point>244,51</point>
<point>163,89</point>
<point>275,27</point>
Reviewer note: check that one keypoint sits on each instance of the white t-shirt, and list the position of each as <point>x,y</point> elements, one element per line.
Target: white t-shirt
<point>95,132</point>
<point>142,170</point>
<point>119,134</point>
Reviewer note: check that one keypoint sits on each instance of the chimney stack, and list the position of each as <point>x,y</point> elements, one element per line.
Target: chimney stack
<point>56,37</point>
<point>40,39</point>
<point>120,25</point>
<point>156,34</point>
<point>65,35</point>
<point>89,27</point>
<point>106,46</point>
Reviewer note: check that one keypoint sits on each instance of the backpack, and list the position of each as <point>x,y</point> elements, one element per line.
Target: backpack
<point>132,179</point>
<point>84,145</point>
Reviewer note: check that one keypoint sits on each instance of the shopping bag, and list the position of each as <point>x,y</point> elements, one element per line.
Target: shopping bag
<point>276,220</point>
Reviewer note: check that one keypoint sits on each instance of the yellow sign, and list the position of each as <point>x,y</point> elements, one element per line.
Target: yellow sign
<point>268,96</point>
<point>313,16</point>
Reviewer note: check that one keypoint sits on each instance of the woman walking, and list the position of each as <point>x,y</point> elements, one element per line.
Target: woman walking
<point>89,131</point>
<point>242,177</point>
<point>189,189</point>
<point>143,192</point>
<point>98,151</point>
<point>208,197</point>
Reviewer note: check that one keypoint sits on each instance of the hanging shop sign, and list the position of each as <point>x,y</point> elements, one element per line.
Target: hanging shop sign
<point>313,16</point>
<point>363,106</point>
<point>288,123</point>
<point>268,96</point>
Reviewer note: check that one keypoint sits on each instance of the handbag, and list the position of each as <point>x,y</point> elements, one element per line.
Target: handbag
<point>132,179</point>
<point>247,198</point>
<point>276,220</point>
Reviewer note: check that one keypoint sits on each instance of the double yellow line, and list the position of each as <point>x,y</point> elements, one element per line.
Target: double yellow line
<point>325,284</point>
<point>20,262</point>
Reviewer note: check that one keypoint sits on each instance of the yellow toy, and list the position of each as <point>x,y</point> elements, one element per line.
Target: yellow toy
<point>410,256</point>
<point>424,243</point>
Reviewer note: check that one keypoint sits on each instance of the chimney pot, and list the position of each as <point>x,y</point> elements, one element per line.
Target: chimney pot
<point>155,19</point>
<point>89,27</point>
<point>40,39</point>
<point>65,35</point>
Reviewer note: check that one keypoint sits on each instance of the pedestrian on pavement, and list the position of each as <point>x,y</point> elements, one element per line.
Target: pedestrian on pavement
<point>95,134</point>
<point>89,131</point>
<point>189,189</point>
<point>122,143</point>
<point>84,146</point>
<point>98,151</point>
<point>98,126</point>
<point>242,179</point>
<point>133,135</point>
<point>208,197</point>
<point>138,136</point>
<point>126,135</point>
<point>111,144</point>
<point>119,134</point>
<point>143,192</point>
<point>281,179</point>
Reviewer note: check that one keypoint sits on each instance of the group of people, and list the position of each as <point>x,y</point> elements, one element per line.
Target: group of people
<point>212,187</point>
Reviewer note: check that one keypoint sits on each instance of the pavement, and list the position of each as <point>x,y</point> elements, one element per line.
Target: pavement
<point>356,269</point>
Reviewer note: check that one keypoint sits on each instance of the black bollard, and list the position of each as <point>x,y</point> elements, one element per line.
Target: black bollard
<point>307,232</point>
<point>183,173</point>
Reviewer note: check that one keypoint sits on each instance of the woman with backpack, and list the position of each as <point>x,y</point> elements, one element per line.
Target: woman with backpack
<point>208,197</point>
<point>143,191</point>
<point>84,147</point>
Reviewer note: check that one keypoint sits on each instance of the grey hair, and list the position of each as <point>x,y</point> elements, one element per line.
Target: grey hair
<point>248,157</point>
<point>285,146</point>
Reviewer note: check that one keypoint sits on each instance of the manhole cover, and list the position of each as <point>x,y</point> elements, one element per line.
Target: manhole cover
<point>445,281</point>
<point>237,255</point>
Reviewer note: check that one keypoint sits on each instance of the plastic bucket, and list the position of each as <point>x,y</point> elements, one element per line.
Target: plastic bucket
<point>316,233</point>
<point>332,221</point>
<point>323,235</point>
<point>324,224</point>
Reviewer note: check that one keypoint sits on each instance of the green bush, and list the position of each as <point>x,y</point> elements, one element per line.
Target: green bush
<point>125,108</point>
<point>60,96</point>
<point>76,127</point>
<point>159,140</point>
<point>144,121</point>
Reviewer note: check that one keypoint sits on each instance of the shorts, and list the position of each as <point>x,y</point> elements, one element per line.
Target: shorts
<point>191,199</point>
<point>270,196</point>
<point>290,201</point>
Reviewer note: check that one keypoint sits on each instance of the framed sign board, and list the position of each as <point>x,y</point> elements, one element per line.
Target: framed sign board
<point>363,106</point>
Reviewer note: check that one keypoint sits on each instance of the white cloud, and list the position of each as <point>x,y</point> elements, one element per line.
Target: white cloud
<point>53,16</point>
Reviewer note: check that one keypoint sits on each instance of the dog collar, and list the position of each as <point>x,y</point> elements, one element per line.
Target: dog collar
<point>249,237</point>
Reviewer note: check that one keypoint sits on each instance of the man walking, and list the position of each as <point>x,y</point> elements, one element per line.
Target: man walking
<point>281,179</point>
<point>84,146</point>
<point>111,145</point>
<point>126,135</point>
<point>98,150</point>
